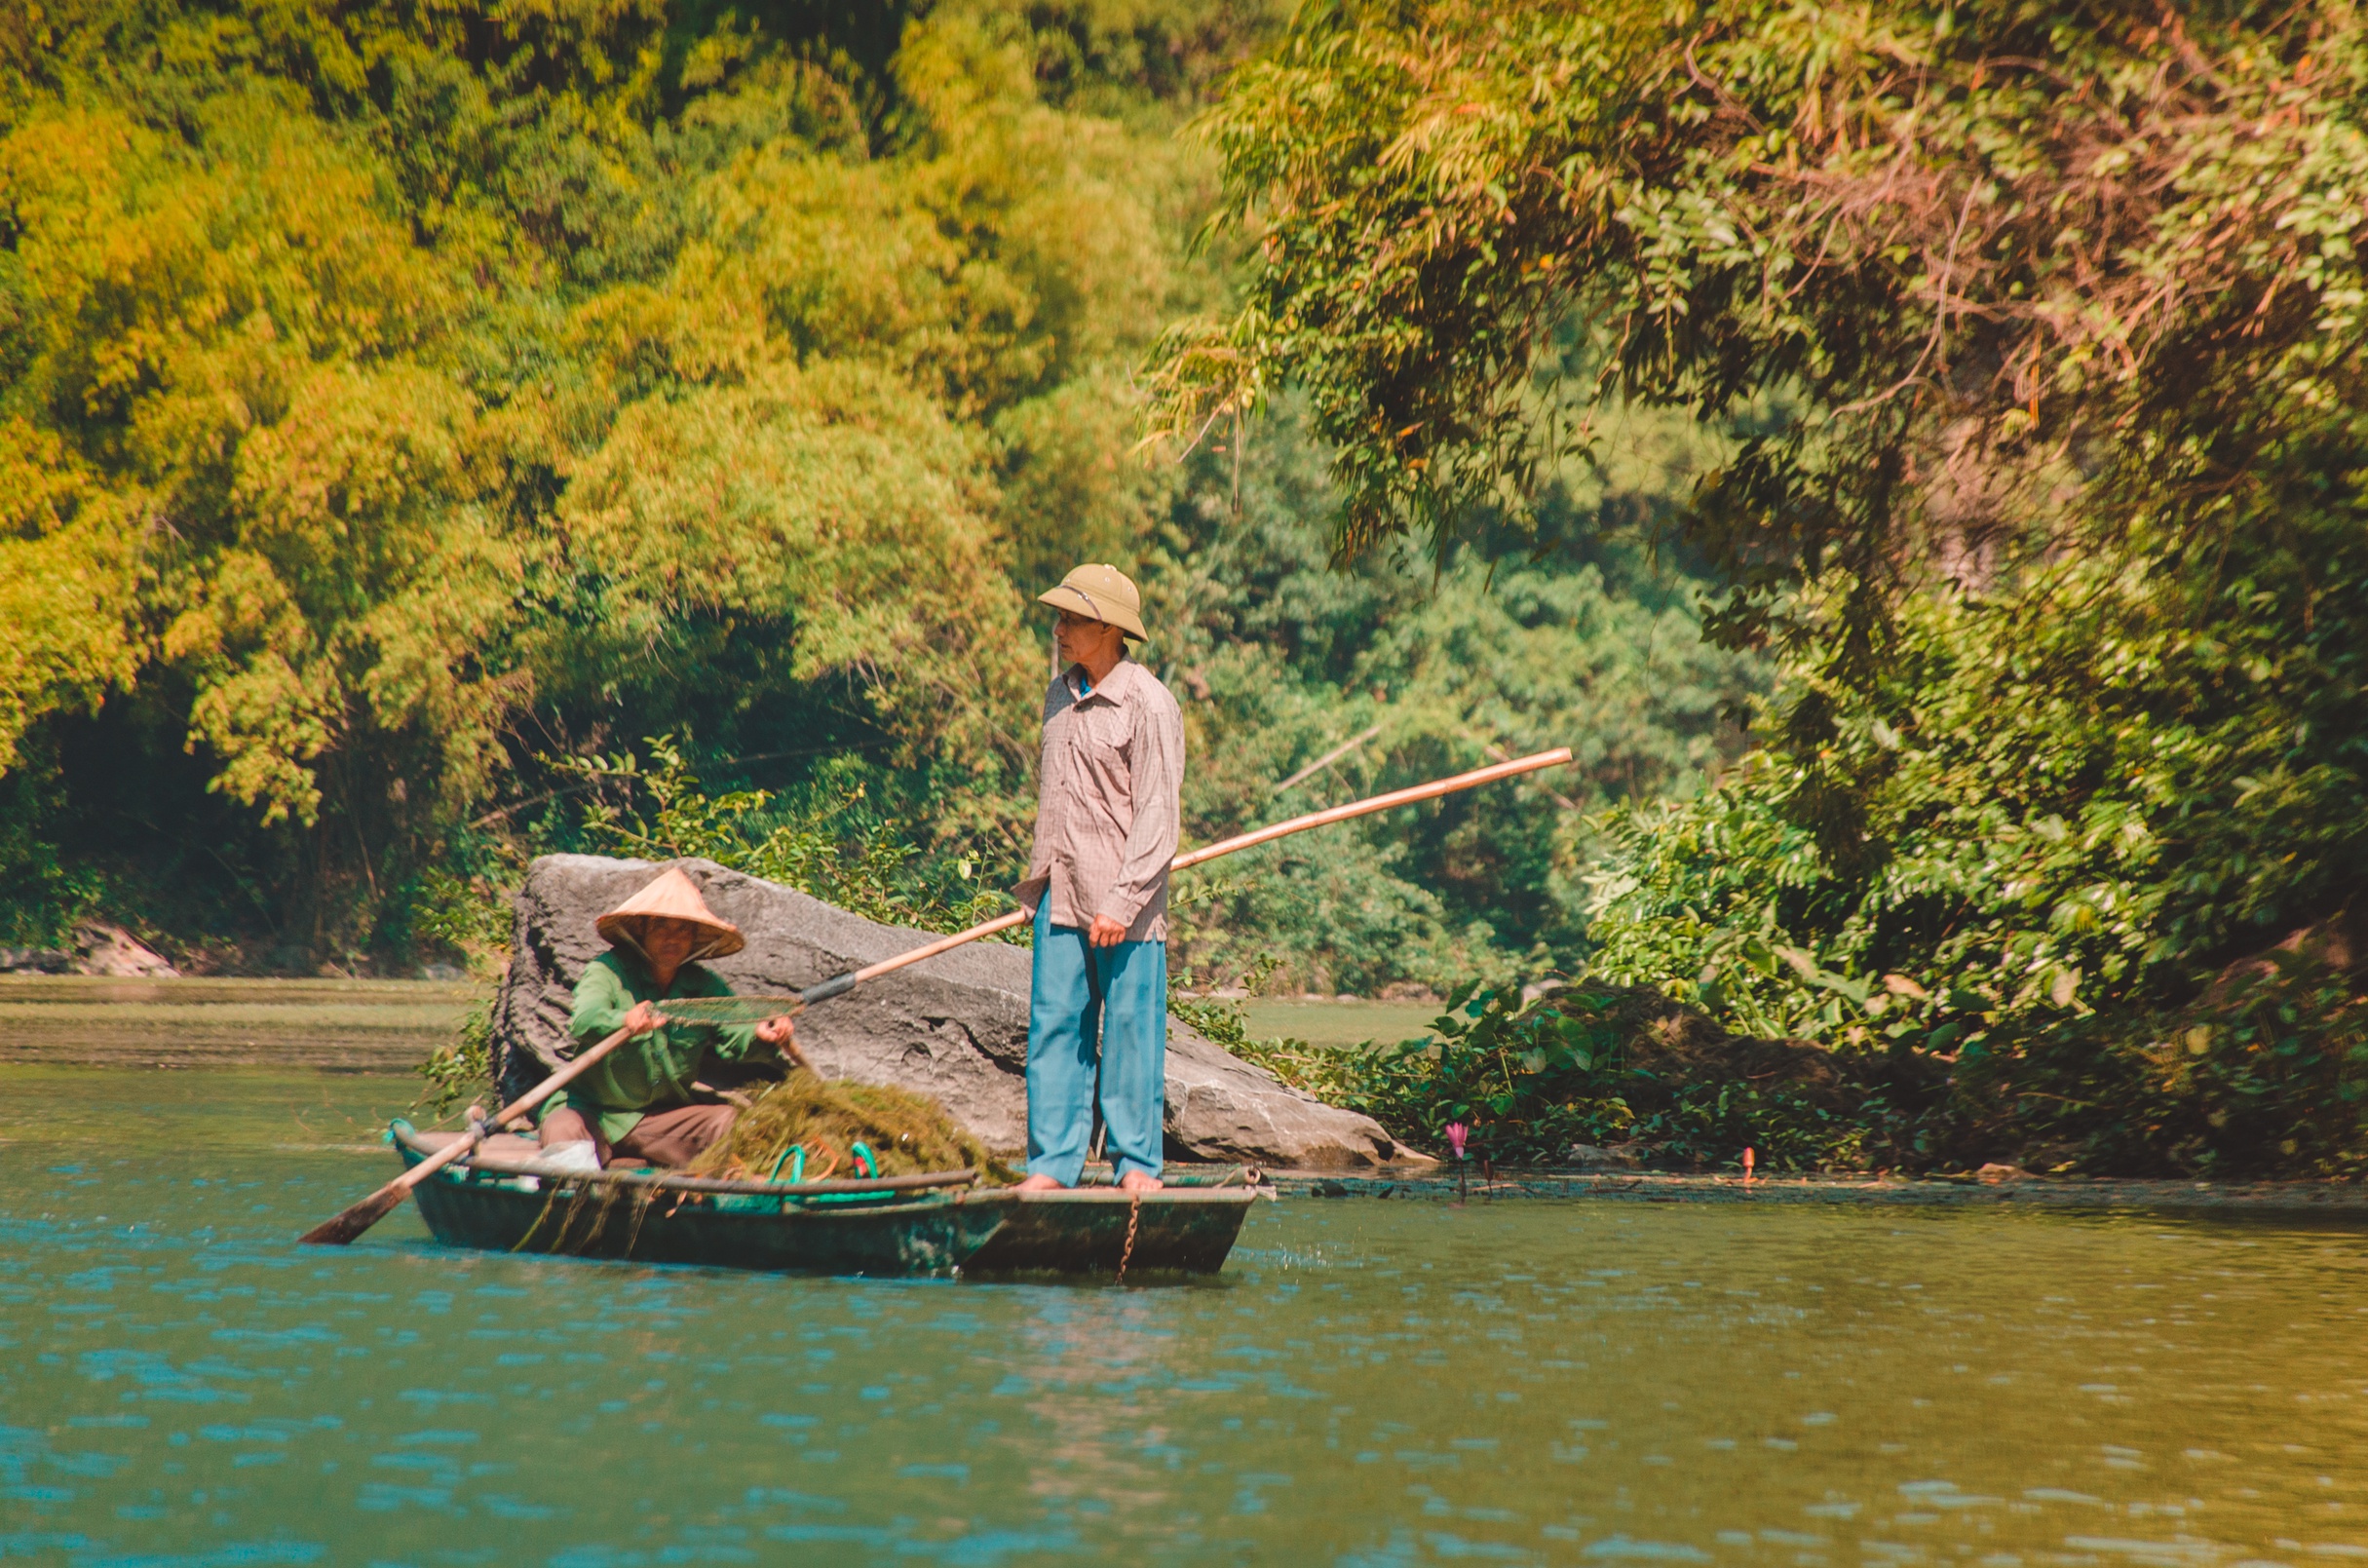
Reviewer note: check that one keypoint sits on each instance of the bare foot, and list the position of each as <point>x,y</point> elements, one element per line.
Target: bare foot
<point>1039,1184</point>
<point>1137,1181</point>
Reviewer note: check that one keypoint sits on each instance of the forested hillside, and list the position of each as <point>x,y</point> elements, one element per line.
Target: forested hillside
<point>410,410</point>
<point>2039,332</point>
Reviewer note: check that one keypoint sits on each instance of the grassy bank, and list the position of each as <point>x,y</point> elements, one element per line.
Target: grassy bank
<point>362,1027</point>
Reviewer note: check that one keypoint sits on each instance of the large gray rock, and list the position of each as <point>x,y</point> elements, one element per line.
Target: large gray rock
<point>955,1027</point>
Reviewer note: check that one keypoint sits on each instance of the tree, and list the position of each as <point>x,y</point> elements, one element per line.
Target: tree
<point>395,395</point>
<point>2019,275</point>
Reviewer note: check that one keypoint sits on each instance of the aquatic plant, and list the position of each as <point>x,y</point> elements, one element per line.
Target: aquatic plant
<point>903,1133</point>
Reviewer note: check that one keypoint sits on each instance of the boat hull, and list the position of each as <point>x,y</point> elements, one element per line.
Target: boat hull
<point>930,1235</point>
<point>1086,1232</point>
<point>993,1233</point>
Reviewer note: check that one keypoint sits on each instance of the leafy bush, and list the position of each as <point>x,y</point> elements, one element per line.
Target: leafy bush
<point>2033,843</point>
<point>1605,1067</point>
<point>469,915</point>
<point>2265,1077</point>
<point>826,846</point>
<point>1280,660</point>
<point>41,892</point>
<point>462,1068</point>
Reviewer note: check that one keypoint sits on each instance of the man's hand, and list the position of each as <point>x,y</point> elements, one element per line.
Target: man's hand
<point>1105,932</point>
<point>642,1019</point>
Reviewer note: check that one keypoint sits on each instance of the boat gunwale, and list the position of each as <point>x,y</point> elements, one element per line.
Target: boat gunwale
<point>408,1137</point>
<point>924,1186</point>
<point>1119,1197</point>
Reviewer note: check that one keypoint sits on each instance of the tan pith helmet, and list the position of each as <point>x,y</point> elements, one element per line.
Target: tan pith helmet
<point>672,897</point>
<point>1099,593</point>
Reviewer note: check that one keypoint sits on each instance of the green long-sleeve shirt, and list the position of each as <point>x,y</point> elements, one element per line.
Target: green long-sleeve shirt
<point>653,1072</point>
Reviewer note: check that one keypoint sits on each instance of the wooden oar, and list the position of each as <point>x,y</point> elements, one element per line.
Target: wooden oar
<point>347,1224</point>
<point>344,1227</point>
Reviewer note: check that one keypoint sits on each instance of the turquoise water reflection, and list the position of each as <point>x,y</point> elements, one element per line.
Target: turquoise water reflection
<point>1371,1383</point>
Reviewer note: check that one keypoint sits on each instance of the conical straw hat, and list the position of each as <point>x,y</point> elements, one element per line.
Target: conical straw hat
<point>672,896</point>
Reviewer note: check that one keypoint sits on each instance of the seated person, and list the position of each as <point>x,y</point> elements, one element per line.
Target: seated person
<point>636,1103</point>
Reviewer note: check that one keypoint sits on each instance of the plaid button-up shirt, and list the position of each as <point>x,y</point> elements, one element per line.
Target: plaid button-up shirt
<point>1111,802</point>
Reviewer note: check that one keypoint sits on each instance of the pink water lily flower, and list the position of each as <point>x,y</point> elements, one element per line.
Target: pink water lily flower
<point>1457,1132</point>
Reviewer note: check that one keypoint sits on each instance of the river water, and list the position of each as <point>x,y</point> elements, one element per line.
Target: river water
<point>1369,1383</point>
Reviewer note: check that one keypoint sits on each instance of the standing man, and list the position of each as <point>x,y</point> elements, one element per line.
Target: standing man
<point>1106,825</point>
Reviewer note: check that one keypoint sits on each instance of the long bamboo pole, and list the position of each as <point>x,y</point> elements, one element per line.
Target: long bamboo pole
<point>1365,808</point>
<point>1264,835</point>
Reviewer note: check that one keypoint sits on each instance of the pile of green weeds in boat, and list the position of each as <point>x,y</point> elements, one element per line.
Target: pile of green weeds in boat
<point>806,1129</point>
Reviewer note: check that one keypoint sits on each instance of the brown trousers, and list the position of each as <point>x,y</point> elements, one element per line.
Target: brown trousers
<point>673,1138</point>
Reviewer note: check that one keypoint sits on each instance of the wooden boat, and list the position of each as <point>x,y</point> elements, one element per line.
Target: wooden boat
<point>502,1199</point>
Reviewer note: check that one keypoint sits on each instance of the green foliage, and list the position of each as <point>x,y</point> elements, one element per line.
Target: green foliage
<point>2017,273</point>
<point>2034,842</point>
<point>1281,660</point>
<point>1533,1077</point>
<point>1218,1018</point>
<point>2030,338</point>
<point>469,915</point>
<point>41,894</point>
<point>402,406</point>
<point>824,847</point>
<point>461,1069</point>
<point>2266,1075</point>
<point>392,395</point>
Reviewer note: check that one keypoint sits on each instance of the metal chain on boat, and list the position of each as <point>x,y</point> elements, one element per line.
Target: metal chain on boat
<point>1134,1218</point>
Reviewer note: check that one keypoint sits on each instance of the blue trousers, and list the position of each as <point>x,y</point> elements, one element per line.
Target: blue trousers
<point>1096,1009</point>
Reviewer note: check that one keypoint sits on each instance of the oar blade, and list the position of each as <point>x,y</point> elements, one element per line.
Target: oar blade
<point>343,1227</point>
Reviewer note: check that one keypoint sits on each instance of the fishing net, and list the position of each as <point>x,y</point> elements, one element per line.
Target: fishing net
<point>729,1010</point>
<point>903,1133</point>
